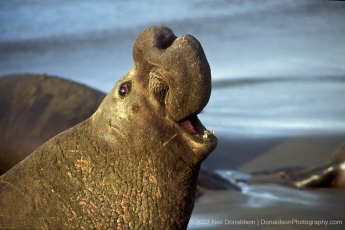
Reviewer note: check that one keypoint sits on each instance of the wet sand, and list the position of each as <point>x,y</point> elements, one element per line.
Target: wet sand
<point>262,203</point>
<point>257,205</point>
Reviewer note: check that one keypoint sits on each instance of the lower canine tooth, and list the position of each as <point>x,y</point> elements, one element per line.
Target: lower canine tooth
<point>206,133</point>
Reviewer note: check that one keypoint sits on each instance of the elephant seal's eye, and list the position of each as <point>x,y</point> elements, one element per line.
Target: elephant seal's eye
<point>124,89</point>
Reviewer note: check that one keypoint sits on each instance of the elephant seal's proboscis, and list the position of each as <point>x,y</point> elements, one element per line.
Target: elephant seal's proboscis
<point>134,163</point>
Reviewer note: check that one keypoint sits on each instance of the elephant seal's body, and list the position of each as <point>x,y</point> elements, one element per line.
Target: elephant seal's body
<point>134,163</point>
<point>34,108</point>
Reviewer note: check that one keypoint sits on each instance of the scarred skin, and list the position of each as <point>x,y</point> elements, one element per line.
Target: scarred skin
<point>130,165</point>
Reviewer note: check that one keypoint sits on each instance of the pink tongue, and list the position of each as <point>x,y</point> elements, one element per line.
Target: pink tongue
<point>187,125</point>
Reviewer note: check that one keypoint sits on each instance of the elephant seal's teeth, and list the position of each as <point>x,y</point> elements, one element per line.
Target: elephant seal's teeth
<point>206,133</point>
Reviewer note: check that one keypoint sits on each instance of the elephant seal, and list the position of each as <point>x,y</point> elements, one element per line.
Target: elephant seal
<point>34,108</point>
<point>134,163</point>
<point>330,174</point>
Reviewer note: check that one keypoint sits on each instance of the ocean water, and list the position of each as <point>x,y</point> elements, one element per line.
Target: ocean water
<point>91,41</point>
<point>22,20</point>
<point>278,70</point>
<point>277,106</point>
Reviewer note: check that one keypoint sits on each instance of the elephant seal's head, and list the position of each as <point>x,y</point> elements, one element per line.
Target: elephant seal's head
<point>168,86</point>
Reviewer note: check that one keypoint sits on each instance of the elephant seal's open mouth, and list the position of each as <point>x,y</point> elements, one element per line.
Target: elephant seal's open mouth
<point>200,140</point>
<point>194,127</point>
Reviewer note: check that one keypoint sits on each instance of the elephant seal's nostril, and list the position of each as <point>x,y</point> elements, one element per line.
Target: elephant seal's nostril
<point>164,39</point>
